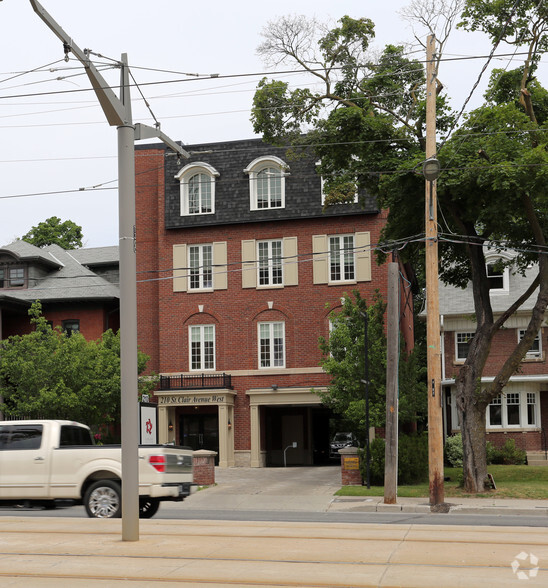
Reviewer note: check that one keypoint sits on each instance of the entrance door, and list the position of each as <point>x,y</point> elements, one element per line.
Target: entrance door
<point>200,431</point>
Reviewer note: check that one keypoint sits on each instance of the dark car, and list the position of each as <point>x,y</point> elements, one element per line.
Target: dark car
<point>339,441</point>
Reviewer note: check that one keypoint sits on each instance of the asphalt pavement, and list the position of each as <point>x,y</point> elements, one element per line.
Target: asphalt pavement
<point>76,552</point>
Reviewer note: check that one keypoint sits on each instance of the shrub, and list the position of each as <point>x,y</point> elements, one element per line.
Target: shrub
<point>453,450</point>
<point>508,454</point>
<point>412,460</point>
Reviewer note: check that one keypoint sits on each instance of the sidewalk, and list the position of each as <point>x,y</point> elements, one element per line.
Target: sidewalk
<point>312,489</point>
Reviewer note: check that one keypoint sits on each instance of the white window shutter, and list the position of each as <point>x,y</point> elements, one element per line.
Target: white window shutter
<point>363,257</point>
<point>320,264</point>
<point>291,261</point>
<point>180,270</point>
<point>220,269</point>
<point>249,265</point>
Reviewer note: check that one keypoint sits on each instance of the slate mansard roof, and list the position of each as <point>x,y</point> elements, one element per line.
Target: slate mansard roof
<point>232,192</point>
<point>57,275</point>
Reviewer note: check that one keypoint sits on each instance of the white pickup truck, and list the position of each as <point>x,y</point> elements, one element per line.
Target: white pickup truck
<point>43,461</point>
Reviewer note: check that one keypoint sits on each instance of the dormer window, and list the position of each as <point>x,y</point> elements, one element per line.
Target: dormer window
<point>266,183</point>
<point>197,188</point>
<point>12,277</point>
<point>497,277</point>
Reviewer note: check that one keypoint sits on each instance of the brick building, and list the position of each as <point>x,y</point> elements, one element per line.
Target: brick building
<point>78,289</point>
<point>521,412</point>
<point>238,268</point>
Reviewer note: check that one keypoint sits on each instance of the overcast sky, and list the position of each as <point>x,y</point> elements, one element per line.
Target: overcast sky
<point>54,140</point>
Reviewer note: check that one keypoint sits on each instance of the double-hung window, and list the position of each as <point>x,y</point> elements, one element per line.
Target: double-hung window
<point>200,267</point>
<point>197,190</point>
<point>269,256</point>
<point>462,345</point>
<point>271,345</point>
<point>535,350</point>
<point>342,263</point>
<point>202,347</point>
<point>266,182</point>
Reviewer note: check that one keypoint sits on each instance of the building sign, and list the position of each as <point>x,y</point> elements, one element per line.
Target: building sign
<point>193,400</point>
<point>351,463</point>
<point>148,424</point>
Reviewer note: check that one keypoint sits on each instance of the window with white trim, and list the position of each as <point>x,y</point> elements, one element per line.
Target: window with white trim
<point>266,183</point>
<point>199,268</point>
<point>513,410</point>
<point>271,263</point>
<point>197,189</point>
<point>202,347</point>
<point>536,346</point>
<point>269,266</point>
<point>200,263</point>
<point>342,263</point>
<point>462,345</point>
<point>497,278</point>
<point>531,409</point>
<point>494,412</point>
<point>341,258</point>
<point>271,344</point>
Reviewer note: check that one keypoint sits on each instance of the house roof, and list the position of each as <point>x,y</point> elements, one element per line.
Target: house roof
<point>457,301</point>
<point>97,255</point>
<point>30,254</point>
<point>68,280</point>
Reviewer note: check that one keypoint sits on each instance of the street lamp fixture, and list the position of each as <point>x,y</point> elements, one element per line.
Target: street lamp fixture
<point>431,169</point>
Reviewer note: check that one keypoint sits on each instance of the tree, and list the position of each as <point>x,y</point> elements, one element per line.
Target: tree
<point>368,129</point>
<point>67,234</point>
<point>50,374</point>
<point>344,360</point>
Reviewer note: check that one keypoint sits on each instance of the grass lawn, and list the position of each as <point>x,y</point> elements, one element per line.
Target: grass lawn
<point>511,482</point>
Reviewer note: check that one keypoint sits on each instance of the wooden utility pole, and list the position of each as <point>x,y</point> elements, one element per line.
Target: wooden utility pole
<point>392,352</point>
<point>435,422</point>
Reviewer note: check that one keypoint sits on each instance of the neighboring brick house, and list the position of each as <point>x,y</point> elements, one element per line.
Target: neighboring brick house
<point>78,289</point>
<point>521,412</point>
<point>238,268</point>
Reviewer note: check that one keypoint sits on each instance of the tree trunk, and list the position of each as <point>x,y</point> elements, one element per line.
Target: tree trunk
<point>474,460</point>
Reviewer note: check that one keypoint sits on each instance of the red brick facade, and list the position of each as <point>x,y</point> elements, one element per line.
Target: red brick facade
<point>268,405</point>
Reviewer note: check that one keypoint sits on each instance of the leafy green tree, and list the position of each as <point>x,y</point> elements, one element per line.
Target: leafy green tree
<point>50,374</point>
<point>67,234</point>
<point>344,360</point>
<point>367,126</point>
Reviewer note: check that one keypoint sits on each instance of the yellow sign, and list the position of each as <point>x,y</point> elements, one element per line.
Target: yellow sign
<point>351,463</point>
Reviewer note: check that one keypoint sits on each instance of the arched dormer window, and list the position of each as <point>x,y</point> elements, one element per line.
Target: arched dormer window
<point>266,182</point>
<point>197,188</point>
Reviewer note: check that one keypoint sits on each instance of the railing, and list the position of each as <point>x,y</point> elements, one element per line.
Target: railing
<point>544,444</point>
<point>196,382</point>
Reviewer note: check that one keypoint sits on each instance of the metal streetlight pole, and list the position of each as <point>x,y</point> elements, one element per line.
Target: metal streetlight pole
<point>118,114</point>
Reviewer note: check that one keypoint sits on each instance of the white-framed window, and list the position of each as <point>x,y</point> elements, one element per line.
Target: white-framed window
<point>531,409</point>
<point>462,345</point>
<point>535,350</point>
<point>202,347</point>
<point>266,183</point>
<point>269,263</point>
<point>271,344</point>
<point>342,263</point>
<point>516,409</point>
<point>341,258</point>
<point>197,189</point>
<point>494,412</point>
<point>199,268</point>
<point>497,277</point>
<point>200,263</point>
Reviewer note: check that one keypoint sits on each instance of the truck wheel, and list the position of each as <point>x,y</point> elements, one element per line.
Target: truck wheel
<point>103,500</point>
<point>148,507</point>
